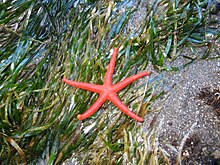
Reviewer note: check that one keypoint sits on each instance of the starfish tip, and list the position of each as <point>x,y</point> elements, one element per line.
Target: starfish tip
<point>79,117</point>
<point>64,79</point>
<point>141,120</point>
<point>116,49</point>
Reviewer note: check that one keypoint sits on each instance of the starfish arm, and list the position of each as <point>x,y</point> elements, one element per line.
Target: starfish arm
<point>93,108</point>
<point>110,70</point>
<point>86,86</point>
<point>117,102</point>
<point>117,87</point>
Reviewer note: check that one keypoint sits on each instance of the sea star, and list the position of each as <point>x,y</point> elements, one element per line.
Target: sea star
<point>108,91</point>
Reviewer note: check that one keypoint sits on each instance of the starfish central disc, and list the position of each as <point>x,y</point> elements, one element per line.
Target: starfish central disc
<point>108,91</point>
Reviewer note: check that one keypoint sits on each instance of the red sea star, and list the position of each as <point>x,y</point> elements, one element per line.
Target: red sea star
<point>108,91</point>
